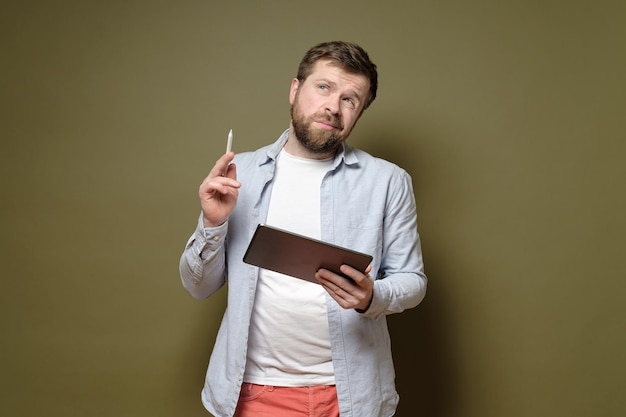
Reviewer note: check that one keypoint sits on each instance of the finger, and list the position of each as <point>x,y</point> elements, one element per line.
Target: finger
<point>222,164</point>
<point>329,278</point>
<point>336,284</point>
<point>219,185</point>
<point>344,298</point>
<point>220,181</point>
<point>357,276</point>
<point>336,293</point>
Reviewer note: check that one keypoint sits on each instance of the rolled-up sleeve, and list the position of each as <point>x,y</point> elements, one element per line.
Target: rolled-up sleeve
<point>401,281</point>
<point>202,265</point>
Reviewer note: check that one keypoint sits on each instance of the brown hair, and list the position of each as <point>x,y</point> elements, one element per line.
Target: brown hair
<point>347,56</point>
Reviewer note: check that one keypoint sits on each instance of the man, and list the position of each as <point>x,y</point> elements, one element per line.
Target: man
<point>290,347</point>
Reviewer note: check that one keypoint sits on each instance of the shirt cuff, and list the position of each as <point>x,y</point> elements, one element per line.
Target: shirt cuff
<point>210,238</point>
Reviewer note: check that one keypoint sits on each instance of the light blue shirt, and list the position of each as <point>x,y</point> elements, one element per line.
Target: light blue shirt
<point>367,204</point>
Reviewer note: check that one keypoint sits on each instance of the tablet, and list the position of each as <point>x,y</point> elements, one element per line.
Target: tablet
<point>299,256</point>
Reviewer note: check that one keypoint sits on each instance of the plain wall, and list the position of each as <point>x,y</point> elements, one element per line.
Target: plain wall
<point>509,115</point>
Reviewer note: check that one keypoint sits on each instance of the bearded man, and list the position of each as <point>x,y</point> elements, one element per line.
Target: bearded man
<point>292,347</point>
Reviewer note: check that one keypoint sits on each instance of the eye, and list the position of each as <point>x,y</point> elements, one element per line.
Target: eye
<point>351,102</point>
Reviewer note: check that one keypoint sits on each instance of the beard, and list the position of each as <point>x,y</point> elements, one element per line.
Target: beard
<point>315,140</point>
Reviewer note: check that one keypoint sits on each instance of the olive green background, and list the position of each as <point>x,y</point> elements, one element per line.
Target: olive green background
<point>509,115</point>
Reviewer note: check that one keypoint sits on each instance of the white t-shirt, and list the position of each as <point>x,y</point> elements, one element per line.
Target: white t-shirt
<point>288,343</point>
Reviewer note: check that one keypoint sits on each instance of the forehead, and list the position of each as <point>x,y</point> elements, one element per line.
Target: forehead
<point>329,71</point>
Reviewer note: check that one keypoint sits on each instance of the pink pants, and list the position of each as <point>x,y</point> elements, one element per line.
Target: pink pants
<point>269,401</point>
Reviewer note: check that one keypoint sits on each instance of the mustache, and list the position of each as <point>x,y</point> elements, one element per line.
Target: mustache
<point>329,118</point>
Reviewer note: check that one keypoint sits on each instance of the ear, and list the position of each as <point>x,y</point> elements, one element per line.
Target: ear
<point>295,84</point>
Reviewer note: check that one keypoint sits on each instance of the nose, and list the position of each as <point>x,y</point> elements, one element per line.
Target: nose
<point>333,105</point>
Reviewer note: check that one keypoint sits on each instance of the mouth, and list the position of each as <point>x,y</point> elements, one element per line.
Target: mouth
<point>328,125</point>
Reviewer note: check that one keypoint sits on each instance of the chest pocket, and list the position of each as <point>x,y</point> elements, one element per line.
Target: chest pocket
<point>364,234</point>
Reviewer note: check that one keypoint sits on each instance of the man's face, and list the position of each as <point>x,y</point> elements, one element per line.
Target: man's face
<point>326,106</point>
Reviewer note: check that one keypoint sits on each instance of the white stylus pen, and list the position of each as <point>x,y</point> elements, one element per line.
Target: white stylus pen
<point>229,146</point>
<point>229,143</point>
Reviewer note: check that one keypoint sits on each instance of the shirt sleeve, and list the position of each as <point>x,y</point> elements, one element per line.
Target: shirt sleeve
<point>401,282</point>
<point>202,265</point>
